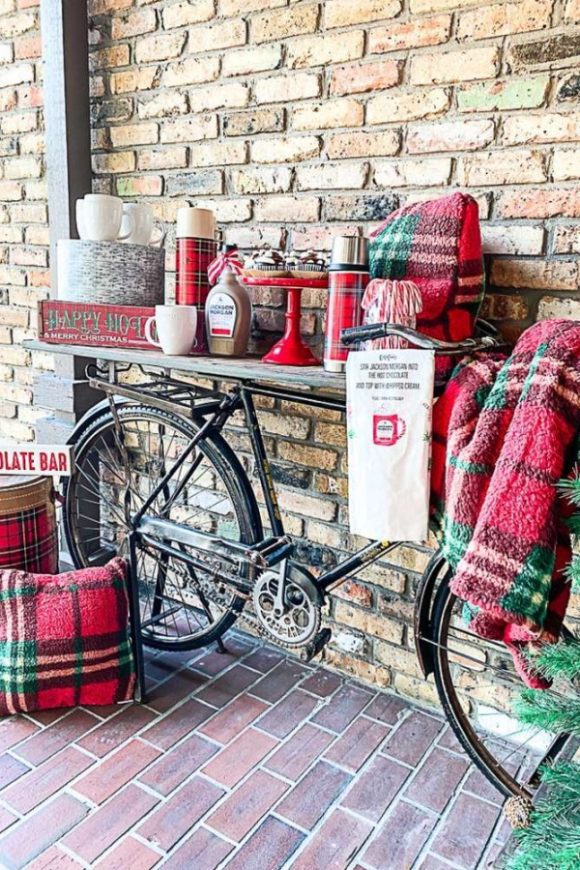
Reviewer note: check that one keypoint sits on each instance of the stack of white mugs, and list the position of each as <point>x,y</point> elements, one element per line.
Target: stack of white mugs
<point>104,218</point>
<point>118,259</point>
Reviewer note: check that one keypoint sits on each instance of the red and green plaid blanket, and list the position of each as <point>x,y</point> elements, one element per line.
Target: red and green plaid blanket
<point>509,427</point>
<point>64,639</point>
<point>437,246</point>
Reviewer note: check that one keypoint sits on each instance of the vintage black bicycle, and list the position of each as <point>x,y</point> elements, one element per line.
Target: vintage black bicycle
<point>157,480</point>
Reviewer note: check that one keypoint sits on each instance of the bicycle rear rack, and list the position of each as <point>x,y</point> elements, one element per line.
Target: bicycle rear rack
<point>162,391</point>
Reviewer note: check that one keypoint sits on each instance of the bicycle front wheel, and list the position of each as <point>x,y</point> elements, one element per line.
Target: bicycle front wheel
<point>477,685</point>
<point>118,463</point>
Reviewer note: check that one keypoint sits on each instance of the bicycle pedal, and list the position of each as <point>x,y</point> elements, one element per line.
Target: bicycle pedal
<point>315,646</point>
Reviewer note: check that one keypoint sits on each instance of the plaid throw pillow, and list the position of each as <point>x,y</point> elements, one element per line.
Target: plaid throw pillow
<point>64,639</point>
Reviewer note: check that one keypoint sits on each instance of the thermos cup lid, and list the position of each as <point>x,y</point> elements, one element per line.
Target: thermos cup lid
<point>349,251</point>
<point>195,223</point>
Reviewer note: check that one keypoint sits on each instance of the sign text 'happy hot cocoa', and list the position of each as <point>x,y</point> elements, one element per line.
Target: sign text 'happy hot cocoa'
<point>100,325</point>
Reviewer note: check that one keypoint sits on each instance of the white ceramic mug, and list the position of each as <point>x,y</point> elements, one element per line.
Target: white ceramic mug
<point>176,328</point>
<point>143,228</point>
<point>99,218</point>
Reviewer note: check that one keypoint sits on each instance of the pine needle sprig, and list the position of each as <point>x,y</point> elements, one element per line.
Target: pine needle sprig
<point>563,781</point>
<point>573,524</point>
<point>564,775</point>
<point>549,712</point>
<point>558,660</point>
<point>552,841</point>
<point>572,572</point>
<point>569,487</point>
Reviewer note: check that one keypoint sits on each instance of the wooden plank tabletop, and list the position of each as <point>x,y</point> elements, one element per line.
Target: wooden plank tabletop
<point>220,368</point>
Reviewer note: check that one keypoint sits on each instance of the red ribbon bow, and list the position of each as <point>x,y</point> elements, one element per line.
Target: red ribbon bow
<point>217,266</point>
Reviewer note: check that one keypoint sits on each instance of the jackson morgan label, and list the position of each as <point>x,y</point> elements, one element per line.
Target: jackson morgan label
<point>222,315</point>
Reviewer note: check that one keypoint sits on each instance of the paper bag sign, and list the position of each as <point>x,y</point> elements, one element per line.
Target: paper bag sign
<point>389,402</point>
<point>35,459</point>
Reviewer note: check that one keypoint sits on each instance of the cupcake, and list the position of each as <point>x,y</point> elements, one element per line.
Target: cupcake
<point>312,264</point>
<point>292,260</point>
<point>266,261</point>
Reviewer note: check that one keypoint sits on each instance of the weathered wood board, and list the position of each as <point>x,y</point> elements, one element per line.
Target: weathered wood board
<point>218,368</point>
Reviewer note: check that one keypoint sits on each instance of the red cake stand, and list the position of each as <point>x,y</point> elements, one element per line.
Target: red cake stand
<point>290,350</point>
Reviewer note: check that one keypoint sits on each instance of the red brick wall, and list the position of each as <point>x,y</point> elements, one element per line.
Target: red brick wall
<point>297,120</point>
<point>24,276</point>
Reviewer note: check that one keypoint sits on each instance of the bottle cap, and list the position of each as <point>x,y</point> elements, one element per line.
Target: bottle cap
<point>349,253</point>
<point>195,223</point>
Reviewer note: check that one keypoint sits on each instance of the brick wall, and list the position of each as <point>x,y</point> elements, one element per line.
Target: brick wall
<point>24,276</point>
<point>294,121</point>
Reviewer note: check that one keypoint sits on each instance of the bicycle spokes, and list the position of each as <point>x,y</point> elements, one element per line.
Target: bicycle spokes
<point>119,467</point>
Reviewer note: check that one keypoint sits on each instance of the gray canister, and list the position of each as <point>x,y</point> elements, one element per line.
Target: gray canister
<point>110,273</point>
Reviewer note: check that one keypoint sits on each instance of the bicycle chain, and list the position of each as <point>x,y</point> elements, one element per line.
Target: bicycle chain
<point>243,617</point>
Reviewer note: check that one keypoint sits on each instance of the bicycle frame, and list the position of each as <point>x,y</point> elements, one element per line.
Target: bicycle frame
<point>219,409</point>
<point>241,397</point>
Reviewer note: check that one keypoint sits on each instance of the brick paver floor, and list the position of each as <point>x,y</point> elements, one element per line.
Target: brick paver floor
<point>245,760</point>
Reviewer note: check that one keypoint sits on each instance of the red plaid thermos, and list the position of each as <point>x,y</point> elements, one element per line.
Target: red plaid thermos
<point>348,275</point>
<point>196,248</point>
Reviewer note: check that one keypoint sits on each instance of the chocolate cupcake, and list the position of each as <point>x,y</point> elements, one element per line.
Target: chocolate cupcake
<point>266,261</point>
<point>311,264</point>
<point>292,261</point>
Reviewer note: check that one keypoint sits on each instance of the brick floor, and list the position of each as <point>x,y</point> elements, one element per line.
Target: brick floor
<point>243,760</point>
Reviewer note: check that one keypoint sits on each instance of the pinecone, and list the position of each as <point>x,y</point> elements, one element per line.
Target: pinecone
<point>517,811</point>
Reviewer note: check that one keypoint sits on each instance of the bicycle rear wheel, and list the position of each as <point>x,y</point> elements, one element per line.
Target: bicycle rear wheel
<point>116,468</point>
<point>477,685</point>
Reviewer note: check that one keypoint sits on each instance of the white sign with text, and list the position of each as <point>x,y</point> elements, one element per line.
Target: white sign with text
<point>34,459</point>
<point>389,404</point>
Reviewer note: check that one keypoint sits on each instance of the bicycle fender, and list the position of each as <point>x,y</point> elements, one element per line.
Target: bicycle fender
<point>422,614</point>
<point>93,412</point>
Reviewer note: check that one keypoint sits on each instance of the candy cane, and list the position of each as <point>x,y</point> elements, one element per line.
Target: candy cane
<point>396,302</point>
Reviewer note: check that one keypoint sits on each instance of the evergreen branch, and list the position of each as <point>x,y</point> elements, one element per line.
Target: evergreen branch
<point>572,572</point>
<point>560,659</point>
<point>552,841</point>
<point>569,487</point>
<point>549,712</point>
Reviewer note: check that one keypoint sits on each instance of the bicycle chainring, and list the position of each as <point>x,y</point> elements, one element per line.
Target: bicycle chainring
<point>302,613</point>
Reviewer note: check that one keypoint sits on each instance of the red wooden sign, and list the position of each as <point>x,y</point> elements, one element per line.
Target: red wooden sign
<point>34,459</point>
<point>99,325</point>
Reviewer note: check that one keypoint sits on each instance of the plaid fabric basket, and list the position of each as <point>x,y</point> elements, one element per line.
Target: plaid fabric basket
<point>64,639</point>
<point>28,531</point>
